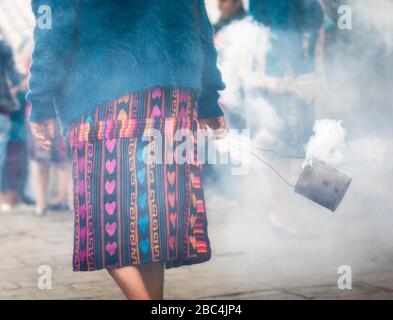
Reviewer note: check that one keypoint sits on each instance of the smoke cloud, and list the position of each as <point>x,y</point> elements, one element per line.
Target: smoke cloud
<point>352,132</point>
<point>328,142</point>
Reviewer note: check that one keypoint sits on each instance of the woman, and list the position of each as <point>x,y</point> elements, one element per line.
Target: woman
<point>111,71</point>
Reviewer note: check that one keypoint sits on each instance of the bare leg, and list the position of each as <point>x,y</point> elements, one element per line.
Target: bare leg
<point>70,189</point>
<point>144,282</point>
<point>9,199</point>
<point>4,202</point>
<point>63,175</point>
<point>41,178</point>
<point>13,198</point>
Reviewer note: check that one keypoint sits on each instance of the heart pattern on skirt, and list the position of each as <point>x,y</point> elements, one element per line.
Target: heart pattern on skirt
<point>110,186</point>
<point>156,113</point>
<point>171,199</point>
<point>173,218</point>
<point>111,248</point>
<point>156,93</point>
<point>110,208</point>
<point>82,255</point>
<point>81,187</point>
<point>81,165</point>
<point>110,228</point>
<point>110,166</point>
<point>143,222</point>
<point>110,144</point>
<point>83,234</point>
<point>144,245</point>
<point>82,211</point>
<point>171,178</point>
<point>128,210</point>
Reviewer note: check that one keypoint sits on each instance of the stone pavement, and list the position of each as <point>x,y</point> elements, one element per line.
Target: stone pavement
<point>250,261</point>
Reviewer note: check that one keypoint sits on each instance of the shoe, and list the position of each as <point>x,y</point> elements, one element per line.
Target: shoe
<point>41,213</point>
<point>27,200</point>
<point>5,207</point>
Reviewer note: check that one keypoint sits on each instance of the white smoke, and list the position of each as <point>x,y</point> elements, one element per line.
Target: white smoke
<point>357,79</point>
<point>328,143</point>
<point>377,18</point>
<point>242,47</point>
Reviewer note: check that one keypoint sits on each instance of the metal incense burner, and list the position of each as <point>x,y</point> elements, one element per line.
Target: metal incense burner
<point>318,181</point>
<point>323,184</point>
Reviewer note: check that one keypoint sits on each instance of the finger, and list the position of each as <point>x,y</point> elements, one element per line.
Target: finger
<point>43,140</point>
<point>216,126</point>
<point>34,127</point>
<point>223,127</point>
<point>50,129</point>
<point>203,124</point>
<point>204,128</point>
<point>39,137</point>
<point>46,148</point>
<point>45,145</point>
<point>37,132</point>
<point>220,134</point>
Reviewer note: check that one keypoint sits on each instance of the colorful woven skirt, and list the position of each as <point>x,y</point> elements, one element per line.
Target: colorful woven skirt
<point>130,209</point>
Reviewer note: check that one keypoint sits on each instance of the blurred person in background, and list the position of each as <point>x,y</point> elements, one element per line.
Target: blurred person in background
<point>230,10</point>
<point>10,79</point>
<point>42,162</point>
<point>43,193</point>
<point>16,165</point>
<point>288,84</point>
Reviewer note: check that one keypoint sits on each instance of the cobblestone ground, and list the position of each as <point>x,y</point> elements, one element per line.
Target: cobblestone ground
<point>249,262</point>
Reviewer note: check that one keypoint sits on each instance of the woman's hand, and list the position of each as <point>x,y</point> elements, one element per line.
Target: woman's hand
<point>218,125</point>
<point>43,133</point>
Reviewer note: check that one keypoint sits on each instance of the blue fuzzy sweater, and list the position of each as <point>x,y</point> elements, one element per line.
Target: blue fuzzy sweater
<point>97,50</point>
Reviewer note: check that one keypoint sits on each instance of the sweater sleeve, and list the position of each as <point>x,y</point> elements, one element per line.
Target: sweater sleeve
<point>52,51</point>
<point>208,106</point>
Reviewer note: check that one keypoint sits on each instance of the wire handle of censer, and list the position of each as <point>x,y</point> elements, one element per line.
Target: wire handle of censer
<point>260,159</point>
<point>318,182</point>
